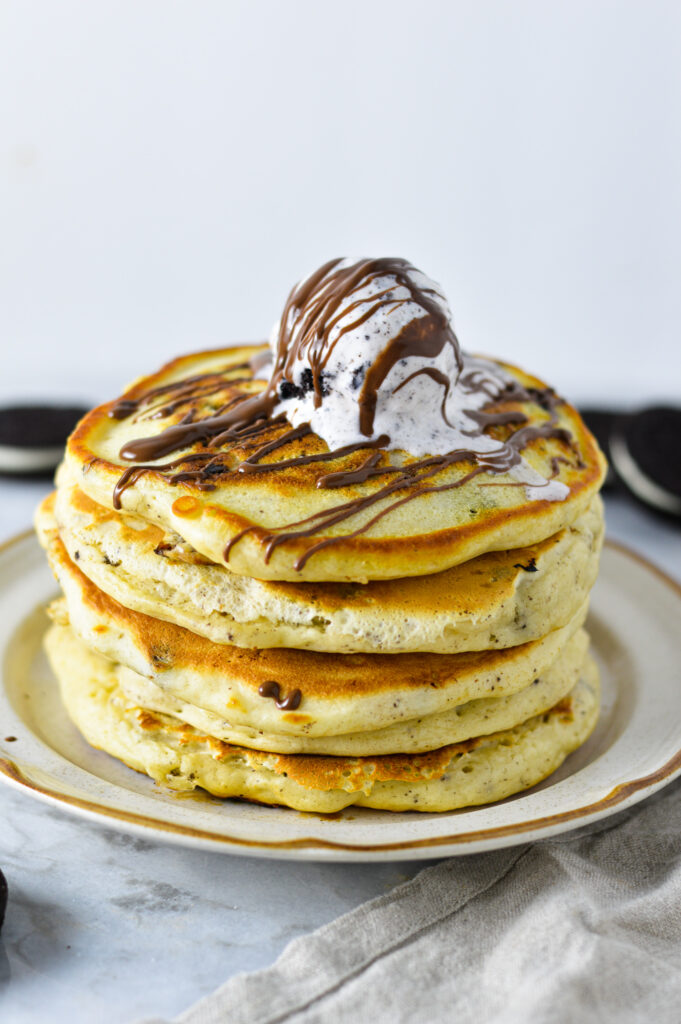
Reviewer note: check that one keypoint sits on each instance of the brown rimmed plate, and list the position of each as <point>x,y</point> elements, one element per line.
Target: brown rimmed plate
<point>635,749</point>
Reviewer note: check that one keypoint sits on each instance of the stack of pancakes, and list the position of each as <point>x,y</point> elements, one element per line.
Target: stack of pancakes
<point>234,630</point>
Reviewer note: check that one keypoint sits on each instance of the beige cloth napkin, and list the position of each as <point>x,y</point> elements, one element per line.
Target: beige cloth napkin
<point>585,927</point>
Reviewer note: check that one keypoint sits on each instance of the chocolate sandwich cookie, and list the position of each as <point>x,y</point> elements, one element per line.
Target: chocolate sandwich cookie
<point>645,448</point>
<point>32,437</point>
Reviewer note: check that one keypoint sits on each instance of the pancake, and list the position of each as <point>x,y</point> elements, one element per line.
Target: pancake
<point>176,755</point>
<point>318,694</point>
<point>476,718</point>
<point>350,567</point>
<point>285,518</point>
<point>496,600</point>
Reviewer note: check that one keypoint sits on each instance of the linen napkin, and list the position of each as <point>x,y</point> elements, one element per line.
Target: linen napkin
<point>583,927</point>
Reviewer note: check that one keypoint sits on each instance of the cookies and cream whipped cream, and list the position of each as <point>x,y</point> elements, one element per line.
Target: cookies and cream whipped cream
<point>365,351</point>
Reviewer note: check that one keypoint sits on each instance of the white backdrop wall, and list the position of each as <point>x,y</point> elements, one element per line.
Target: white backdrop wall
<point>169,169</point>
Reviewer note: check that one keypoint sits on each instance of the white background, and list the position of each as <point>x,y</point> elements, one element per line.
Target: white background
<point>169,169</point>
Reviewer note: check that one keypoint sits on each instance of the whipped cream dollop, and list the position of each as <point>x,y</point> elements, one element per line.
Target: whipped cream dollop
<point>365,352</point>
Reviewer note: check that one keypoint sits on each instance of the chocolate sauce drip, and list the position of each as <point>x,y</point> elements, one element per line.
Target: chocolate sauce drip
<point>272,689</point>
<point>173,439</point>
<point>198,386</point>
<point>347,477</point>
<point>131,475</point>
<point>123,408</point>
<point>491,419</point>
<point>251,466</point>
<point>411,476</point>
<point>313,309</point>
<point>530,567</point>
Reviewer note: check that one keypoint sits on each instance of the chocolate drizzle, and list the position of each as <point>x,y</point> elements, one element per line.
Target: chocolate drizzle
<point>317,313</point>
<point>413,475</point>
<point>271,689</point>
<point>188,389</point>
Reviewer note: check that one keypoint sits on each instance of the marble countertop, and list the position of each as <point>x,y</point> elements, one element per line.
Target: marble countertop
<point>109,927</point>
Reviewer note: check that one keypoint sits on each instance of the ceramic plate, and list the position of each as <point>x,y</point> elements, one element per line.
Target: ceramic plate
<point>636,748</point>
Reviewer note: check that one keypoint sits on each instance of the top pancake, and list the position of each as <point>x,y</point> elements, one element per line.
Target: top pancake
<point>427,533</point>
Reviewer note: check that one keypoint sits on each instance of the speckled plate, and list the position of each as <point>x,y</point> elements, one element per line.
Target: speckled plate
<point>635,749</point>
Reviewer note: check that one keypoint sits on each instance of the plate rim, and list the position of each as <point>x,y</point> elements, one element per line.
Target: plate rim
<point>620,797</point>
